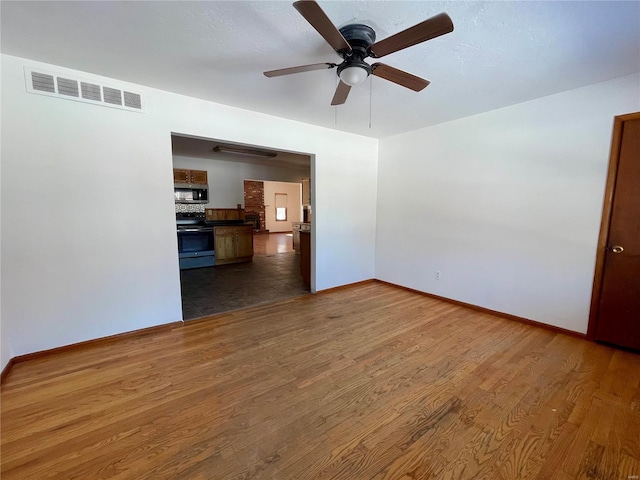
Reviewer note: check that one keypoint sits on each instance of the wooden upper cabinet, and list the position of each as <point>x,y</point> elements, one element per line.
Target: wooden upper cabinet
<point>181,175</point>
<point>184,175</point>
<point>306,191</point>
<point>199,177</point>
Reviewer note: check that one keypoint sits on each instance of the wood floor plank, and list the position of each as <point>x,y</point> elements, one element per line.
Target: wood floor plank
<point>368,382</point>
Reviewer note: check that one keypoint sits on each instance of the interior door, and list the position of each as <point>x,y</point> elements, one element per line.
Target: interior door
<point>618,306</point>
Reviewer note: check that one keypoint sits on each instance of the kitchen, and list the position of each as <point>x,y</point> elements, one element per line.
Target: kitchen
<point>236,207</point>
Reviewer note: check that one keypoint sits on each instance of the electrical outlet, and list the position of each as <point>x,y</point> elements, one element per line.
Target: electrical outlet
<point>437,275</point>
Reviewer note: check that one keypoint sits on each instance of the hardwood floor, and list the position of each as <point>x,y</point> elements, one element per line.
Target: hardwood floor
<point>369,382</point>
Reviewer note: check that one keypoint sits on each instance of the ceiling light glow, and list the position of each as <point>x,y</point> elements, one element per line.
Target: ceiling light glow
<point>353,75</point>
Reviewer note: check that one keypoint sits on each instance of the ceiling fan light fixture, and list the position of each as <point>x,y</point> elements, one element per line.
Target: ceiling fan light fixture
<point>354,75</point>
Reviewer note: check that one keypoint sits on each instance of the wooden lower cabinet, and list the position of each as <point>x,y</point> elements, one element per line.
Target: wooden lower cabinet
<point>244,242</point>
<point>233,244</point>
<point>224,244</point>
<point>305,257</point>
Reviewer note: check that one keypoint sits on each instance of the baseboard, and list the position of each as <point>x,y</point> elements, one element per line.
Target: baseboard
<point>491,312</point>
<point>88,343</point>
<point>170,326</point>
<point>348,285</point>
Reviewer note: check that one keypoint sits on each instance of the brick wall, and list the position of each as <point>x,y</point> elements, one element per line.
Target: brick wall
<point>254,201</point>
<point>253,193</point>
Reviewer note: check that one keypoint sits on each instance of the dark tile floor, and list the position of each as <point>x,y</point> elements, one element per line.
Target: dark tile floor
<point>207,291</point>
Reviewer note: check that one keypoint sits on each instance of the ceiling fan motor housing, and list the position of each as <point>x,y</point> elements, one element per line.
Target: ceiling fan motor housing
<point>360,37</point>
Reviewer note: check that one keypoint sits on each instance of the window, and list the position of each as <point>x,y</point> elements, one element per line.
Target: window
<point>281,207</point>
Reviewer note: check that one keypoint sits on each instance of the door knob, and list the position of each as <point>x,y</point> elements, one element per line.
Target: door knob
<point>617,249</point>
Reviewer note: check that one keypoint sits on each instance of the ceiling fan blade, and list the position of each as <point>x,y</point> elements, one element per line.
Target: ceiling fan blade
<point>342,92</point>
<point>431,28</point>
<point>300,69</point>
<point>313,14</point>
<point>399,76</point>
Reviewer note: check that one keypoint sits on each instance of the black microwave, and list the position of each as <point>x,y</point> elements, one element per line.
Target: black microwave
<point>190,193</point>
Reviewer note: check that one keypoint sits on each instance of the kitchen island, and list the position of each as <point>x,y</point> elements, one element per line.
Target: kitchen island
<point>233,243</point>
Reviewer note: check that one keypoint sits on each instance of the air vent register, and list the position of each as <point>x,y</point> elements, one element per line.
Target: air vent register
<point>51,84</point>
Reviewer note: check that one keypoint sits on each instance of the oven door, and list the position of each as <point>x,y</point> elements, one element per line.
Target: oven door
<point>195,247</point>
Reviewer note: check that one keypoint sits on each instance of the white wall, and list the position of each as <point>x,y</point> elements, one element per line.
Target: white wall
<point>294,205</point>
<point>226,178</point>
<point>6,352</point>
<point>506,204</point>
<point>91,250</point>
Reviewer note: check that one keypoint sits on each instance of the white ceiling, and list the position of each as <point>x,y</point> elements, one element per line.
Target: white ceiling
<point>500,53</point>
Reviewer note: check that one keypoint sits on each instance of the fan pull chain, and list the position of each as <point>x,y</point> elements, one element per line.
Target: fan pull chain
<point>370,95</point>
<point>335,108</point>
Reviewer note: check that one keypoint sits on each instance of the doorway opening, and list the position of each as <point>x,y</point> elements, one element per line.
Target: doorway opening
<point>241,218</point>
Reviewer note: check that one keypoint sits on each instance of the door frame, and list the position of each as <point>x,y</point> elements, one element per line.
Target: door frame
<point>603,239</point>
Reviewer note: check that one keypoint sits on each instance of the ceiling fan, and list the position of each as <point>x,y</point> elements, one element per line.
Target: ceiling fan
<point>355,42</point>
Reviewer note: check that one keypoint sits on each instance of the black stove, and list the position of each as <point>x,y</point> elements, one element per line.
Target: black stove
<point>190,219</point>
<point>190,216</point>
<point>195,240</point>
